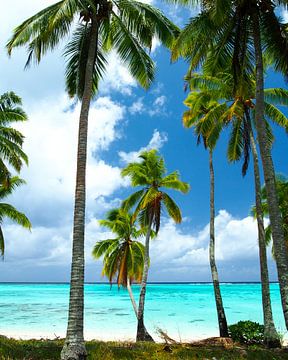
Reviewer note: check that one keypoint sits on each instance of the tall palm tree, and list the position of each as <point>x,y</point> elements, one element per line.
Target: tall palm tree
<point>7,210</point>
<point>197,117</point>
<point>282,191</point>
<point>151,175</point>
<point>237,112</point>
<point>11,140</point>
<point>123,256</point>
<point>237,33</point>
<point>127,26</point>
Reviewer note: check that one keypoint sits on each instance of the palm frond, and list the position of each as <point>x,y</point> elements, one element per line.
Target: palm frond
<point>172,208</point>
<point>76,54</point>
<point>44,30</point>
<point>276,115</point>
<point>7,210</point>
<point>131,53</point>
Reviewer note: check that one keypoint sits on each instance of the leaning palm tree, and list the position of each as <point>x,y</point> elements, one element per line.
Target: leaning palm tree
<point>126,26</point>
<point>150,174</point>
<point>207,111</point>
<point>237,33</point>
<point>7,210</point>
<point>123,256</point>
<point>239,113</point>
<point>11,140</point>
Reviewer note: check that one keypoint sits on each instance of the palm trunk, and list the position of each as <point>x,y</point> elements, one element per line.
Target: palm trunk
<point>270,334</point>
<point>74,347</point>
<point>142,334</point>
<point>132,297</point>
<point>222,322</point>
<point>133,301</point>
<point>281,255</point>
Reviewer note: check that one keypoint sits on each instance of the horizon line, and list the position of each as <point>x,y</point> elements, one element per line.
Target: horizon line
<point>150,282</point>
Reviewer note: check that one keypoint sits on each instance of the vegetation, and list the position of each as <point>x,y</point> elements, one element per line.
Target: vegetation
<point>231,41</point>
<point>11,156</point>
<point>212,107</point>
<point>247,332</point>
<point>128,27</point>
<point>282,191</point>
<point>198,116</point>
<point>238,34</point>
<point>123,256</point>
<point>151,175</point>
<point>50,350</point>
<point>11,140</point>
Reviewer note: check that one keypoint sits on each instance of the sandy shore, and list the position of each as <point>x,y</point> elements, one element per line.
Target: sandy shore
<point>92,335</point>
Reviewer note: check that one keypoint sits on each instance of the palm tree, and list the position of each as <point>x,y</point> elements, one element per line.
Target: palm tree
<point>128,26</point>
<point>123,256</point>
<point>7,210</point>
<point>236,111</point>
<point>11,140</point>
<point>237,33</point>
<point>150,174</point>
<point>282,191</point>
<point>197,117</point>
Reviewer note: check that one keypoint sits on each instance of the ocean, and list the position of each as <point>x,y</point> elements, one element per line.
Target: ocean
<point>185,311</point>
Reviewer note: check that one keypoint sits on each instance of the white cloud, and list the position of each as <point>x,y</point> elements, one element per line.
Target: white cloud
<point>137,107</point>
<point>158,106</point>
<point>157,141</point>
<point>236,241</point>
<point>51,144</point>
<point>117,77</point>
<point>175,253</point>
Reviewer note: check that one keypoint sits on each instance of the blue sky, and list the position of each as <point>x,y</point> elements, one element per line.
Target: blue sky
<point>123,121</point>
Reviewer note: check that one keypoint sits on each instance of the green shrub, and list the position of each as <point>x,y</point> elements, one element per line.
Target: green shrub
<point>247,332</point>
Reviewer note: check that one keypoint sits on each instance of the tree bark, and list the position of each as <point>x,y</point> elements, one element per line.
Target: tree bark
<point>281,255</point>
<point>133,301</point>
<point>74,347</point>
<point>132,297</point>
<point>222,322</point>
<point>271,337</point>
<point>142,334</point>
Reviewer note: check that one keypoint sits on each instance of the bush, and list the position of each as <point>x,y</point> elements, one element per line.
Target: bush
<point>247,332</point>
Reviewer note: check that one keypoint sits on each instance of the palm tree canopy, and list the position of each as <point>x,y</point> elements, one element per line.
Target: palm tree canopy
<point>11,140</point>
<point>9,211</point>
<point>213,105</point>
<point>151,174</point>
<point>282,192</point>
<point>126,26</point>
<point>123,256</point>
<point>221,35</point>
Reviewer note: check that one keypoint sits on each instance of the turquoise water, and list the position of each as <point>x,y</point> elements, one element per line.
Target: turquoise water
<point>184,310</point>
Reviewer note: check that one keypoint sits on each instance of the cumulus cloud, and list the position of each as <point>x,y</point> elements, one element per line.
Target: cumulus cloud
<point>176,254</point>
<point>51,144</point>
<point>157,141</point>
<point>185,254</point>
<point>137,107</point>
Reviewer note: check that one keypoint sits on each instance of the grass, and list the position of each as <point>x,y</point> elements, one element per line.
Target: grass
<point>50,349</point>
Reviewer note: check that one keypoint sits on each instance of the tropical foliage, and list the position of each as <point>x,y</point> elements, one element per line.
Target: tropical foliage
<point>232,41</point>
<point>127,27</point>
<point>282,191</point>
<point>123,256</point>
<point>11,140</point>
<point>238,35</point>
<point>9,211</point>
<point>150,174</point>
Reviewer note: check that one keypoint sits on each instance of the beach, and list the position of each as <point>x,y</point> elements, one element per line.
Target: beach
<point>185,311</point>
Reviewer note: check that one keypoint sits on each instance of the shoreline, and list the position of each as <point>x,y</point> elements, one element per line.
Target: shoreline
<point>98,336</point>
